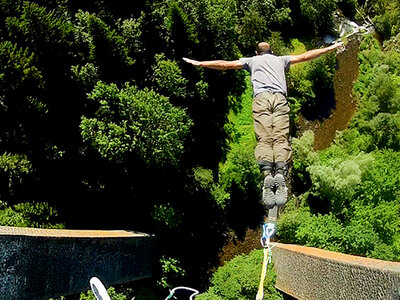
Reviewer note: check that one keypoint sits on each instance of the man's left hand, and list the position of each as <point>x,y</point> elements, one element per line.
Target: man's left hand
<point>338,46</point>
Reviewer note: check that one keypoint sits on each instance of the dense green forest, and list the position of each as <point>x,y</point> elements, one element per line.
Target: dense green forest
<point>104,126</point>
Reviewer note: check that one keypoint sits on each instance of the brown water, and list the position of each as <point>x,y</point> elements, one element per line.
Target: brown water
<point>345,102</point>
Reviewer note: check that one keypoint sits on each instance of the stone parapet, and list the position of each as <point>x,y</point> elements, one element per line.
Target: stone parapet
<point>45,263</point>
<point>313,274</point>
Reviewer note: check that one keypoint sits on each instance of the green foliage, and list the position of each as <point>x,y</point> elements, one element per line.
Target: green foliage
<point>167,215</point>
<point>243,118</point>
<point>241,168</point>
<point>378,89</point>
<point>387,16</point>
<point>385,130</point>
<point>131,32</point>
<point>360,239</point>
<point>17,69</point>
<point>393,45</point>
<point>111,292</point>
<point>335,179</point>
<point>171,270</point>
<point>86,75</point>
<point>320,231</point>
<point>135,121</point>
<point>216,23</point>
<point>357,195</point>
<point>303,156</point>
<point>328,232</point>
<point>289,222</point>
<point>21,84</point>
<point>45,30</point>
<point>203,178</point>
<point>383,218</point>
<point>381,181</point>
<point>319,13</point>
<point>14,166</point>
<point>348,7</point>
<point>106,39</point>
<point>303,87</point>
<point>303,150</point>
<point>239,279</point>
<point>38,215</point>
<point>278,45</point>
<point>309,84</point>
<point>181,31</point>
<point>168,76</point>
<point>103,45</point>
<point>9,217</point>
<point>257,19</point>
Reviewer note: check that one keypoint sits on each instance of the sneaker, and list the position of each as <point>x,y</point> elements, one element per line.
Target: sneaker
<point>268,196</point>
<point>281,193</point>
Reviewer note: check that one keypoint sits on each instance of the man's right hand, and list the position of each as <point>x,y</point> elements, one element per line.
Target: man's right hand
<point>192,61</point>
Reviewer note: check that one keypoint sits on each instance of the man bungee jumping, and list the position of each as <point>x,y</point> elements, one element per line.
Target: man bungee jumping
<point>270,112</point>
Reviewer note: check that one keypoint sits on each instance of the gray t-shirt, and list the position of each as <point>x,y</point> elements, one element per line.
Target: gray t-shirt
<point>267,72</point>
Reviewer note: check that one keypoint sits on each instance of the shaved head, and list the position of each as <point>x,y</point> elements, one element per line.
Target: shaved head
<point>263,48</point>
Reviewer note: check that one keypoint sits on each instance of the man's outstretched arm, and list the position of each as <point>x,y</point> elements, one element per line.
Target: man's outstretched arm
<point>312,54</point>
<point>216,64</point>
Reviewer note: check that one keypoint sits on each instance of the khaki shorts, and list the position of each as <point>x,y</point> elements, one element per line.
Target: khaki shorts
<point>271,125</point>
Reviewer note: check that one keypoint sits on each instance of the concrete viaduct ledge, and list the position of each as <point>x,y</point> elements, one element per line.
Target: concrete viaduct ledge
<point>309,274</point>
<point>45,263</point>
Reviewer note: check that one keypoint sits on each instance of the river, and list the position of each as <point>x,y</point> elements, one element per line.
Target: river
<point>345,105</point>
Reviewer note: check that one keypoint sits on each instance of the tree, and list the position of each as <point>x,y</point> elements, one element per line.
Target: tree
<point>130,121</point>
<point>319,13</point>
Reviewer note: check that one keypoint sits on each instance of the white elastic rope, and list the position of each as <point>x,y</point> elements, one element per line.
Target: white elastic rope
<point>98,289</point>
<point>172,292</point>
<point>268,231</point>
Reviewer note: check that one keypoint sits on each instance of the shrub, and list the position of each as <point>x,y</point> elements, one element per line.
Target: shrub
<point>238,279</point>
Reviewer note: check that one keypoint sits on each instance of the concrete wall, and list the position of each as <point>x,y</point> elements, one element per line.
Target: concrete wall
<point>42,263</point>
<point>311,274</point>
